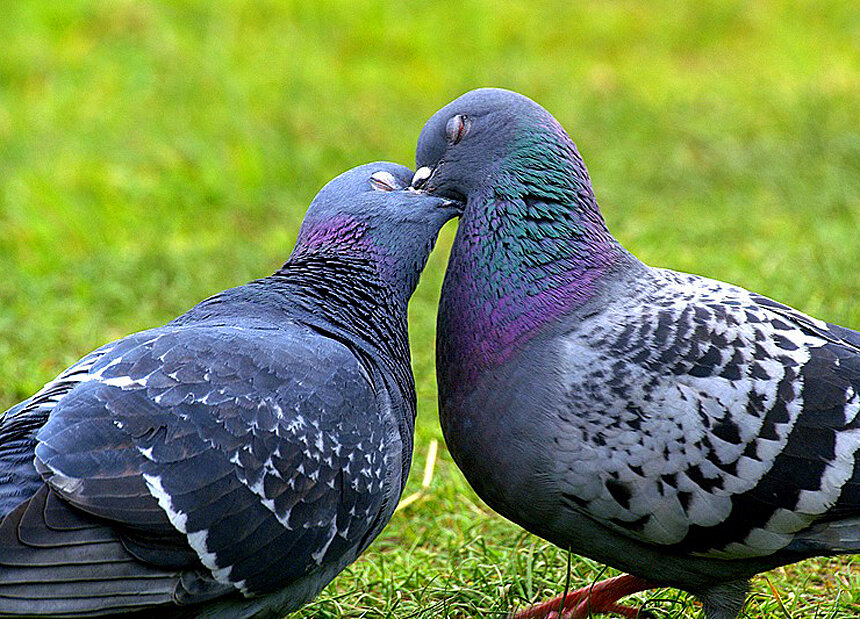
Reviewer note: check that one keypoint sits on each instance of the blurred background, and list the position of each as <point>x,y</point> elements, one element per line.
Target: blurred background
<point>152,154</point>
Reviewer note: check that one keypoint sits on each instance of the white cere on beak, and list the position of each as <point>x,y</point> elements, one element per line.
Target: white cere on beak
<point>421,176</point>
<point>383,181</point>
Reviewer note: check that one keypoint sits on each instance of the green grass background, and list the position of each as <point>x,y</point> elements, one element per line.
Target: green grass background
<point>152,154</point>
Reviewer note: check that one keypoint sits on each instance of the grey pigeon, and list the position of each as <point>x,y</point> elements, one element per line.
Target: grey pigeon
<point>233,461</point>
<point>683,430</point>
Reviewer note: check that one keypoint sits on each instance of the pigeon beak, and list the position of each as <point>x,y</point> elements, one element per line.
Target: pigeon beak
<point>420,178</point>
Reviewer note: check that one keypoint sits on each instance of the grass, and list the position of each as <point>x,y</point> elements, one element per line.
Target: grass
<point>152,154</point>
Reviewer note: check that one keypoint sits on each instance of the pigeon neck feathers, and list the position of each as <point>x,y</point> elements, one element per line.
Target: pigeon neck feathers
<point>395,265</point>
<point>532,246</point>
<point>348,283</point>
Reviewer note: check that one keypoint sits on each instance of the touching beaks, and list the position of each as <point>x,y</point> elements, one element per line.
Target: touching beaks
<point>420,182</point>
<point>420,177</point>
<point>383,181</point>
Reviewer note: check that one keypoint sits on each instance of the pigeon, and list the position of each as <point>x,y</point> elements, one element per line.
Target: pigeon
<point>683,430</point>
<point>232,462</point>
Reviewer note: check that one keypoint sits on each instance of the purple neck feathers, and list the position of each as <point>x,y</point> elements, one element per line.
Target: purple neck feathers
<point>530,249</point>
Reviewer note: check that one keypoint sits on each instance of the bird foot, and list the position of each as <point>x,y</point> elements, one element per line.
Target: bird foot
<point>597,599</point>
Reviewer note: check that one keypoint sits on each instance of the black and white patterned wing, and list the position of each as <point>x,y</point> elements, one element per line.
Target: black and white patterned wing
<point>705,421</point>
<point>259,454</point>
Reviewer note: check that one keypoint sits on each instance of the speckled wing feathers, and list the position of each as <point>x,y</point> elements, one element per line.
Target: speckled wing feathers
<point>721,423</point>
<point>226,441</point>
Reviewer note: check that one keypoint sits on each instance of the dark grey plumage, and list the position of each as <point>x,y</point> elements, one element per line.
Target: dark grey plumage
<point>233,461</point>
<point>681,429</point>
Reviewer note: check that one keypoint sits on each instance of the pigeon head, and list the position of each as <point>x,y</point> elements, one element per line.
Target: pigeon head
<point>370,214</point>
<point>499,137</point>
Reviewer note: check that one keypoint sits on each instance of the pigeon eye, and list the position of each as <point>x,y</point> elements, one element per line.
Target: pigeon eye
<point>383,181</point>
<point>457,127</point>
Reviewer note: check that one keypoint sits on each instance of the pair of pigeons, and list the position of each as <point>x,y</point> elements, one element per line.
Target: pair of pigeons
<point>232,462</point>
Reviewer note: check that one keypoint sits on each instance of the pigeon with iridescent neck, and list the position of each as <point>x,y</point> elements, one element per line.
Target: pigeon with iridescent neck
<point>686,431</point>
<point>232,462</point>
